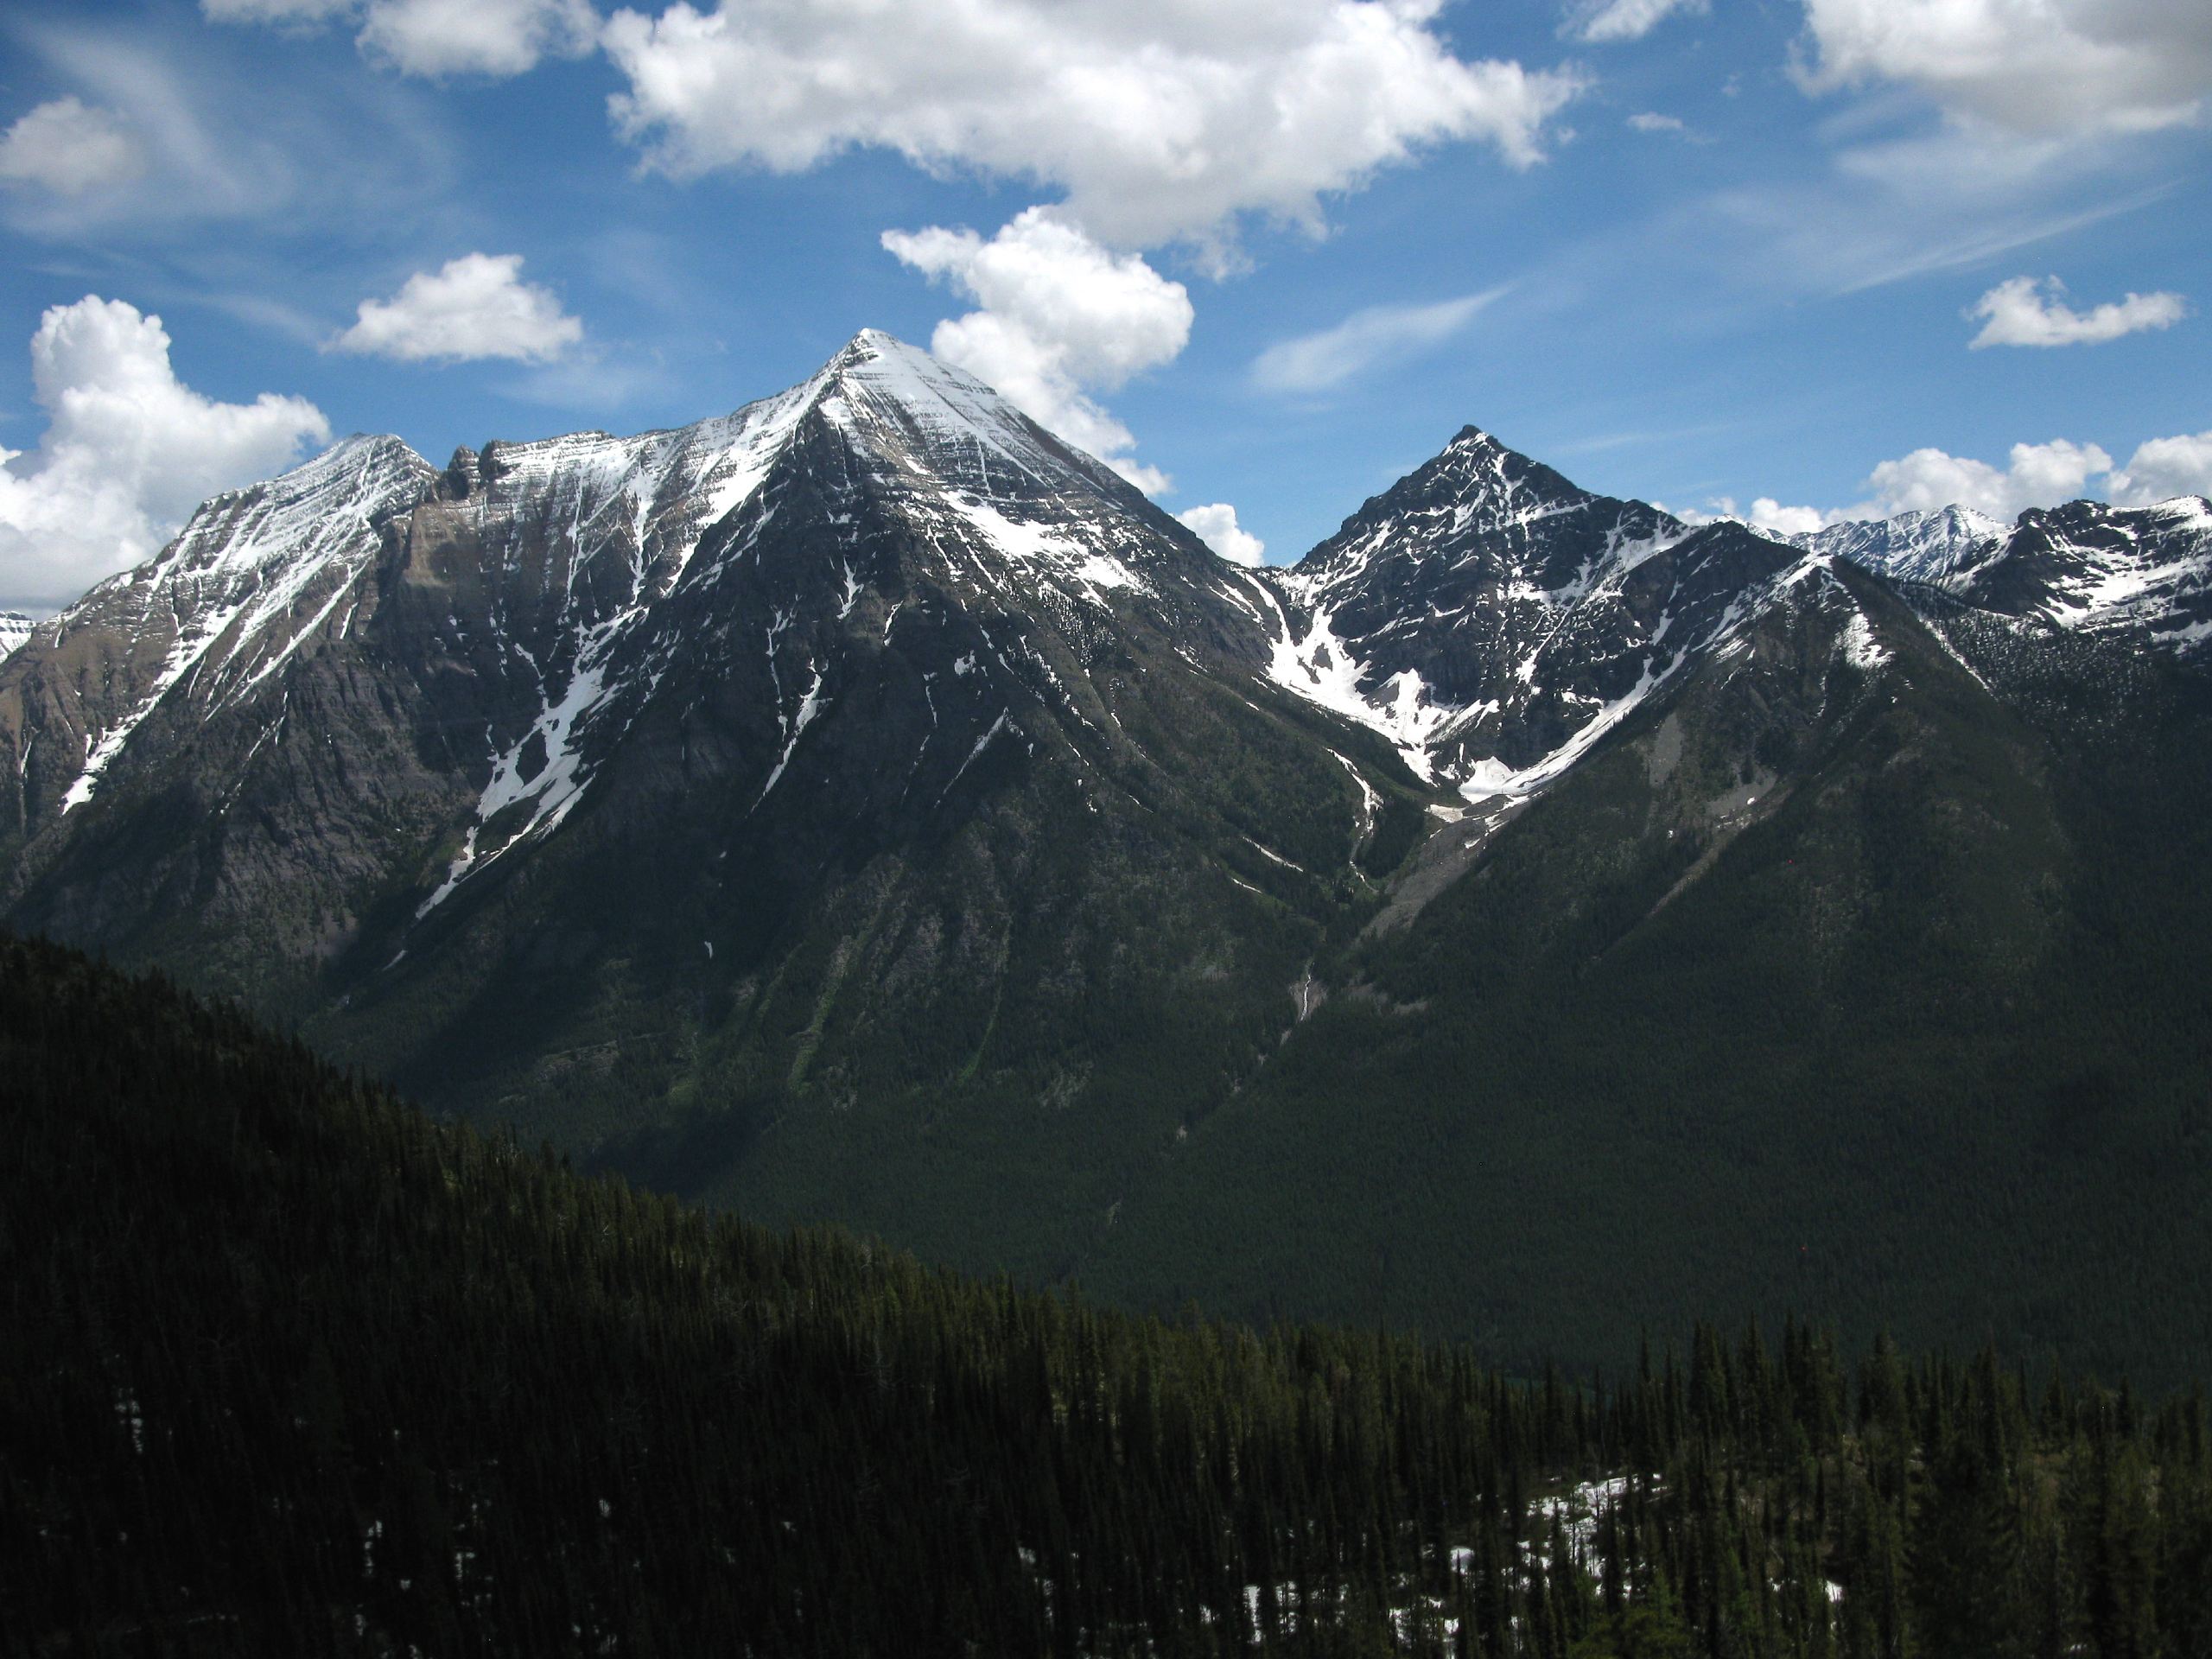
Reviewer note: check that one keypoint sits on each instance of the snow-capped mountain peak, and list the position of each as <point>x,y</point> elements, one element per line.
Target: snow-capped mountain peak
<point>254,572</point>
<point>15,629</point>
<point>891,535</point>
<point>1911,546</point>
<point>891,394</point>
<point>1493,620</point>
<point>1478,502</point>
<point>2140,573</point>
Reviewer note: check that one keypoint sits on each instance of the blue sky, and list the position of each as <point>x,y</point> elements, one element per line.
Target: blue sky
<point>1265,253</point>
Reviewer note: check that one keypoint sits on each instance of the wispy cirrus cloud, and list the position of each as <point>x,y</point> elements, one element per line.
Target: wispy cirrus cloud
<point>211,141</point>
<point>1979,127</point>
<point>1329,357</point>
<point>437,38</point>
<point>1600,22</point>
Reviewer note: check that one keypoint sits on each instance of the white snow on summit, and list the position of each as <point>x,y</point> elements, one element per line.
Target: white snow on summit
<point>228,594</point>
<point>15,629</point>
<point>1911,546</point>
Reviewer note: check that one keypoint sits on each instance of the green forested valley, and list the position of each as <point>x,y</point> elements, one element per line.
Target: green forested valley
<point>286,1367</point>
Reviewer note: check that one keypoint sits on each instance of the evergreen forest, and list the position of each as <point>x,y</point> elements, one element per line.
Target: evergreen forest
<point>287,1367</point>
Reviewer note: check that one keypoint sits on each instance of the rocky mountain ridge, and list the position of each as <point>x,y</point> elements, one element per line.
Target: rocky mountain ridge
<point>2138,573</point>
<point>793,697</point>
<point>863,805</point>
<point>1487,617</point>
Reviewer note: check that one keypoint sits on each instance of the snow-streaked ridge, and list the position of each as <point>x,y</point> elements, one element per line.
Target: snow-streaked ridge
<point>2085,567</point>
<point>1928,547</point>
<point>998,499</point>
<point>16,629</point>
<point>230,582</point>
<point>614,524</point>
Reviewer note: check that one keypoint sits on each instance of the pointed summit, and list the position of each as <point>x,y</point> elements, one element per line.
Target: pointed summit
<point>1485,509</point>
<point>869,344</point>
<point>883,367</point>
<point>1488,616</point>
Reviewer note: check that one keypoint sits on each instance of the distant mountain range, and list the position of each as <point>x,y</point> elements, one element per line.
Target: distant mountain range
<point>866,806</point>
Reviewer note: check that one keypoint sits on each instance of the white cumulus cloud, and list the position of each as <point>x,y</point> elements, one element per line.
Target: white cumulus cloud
<point>1652,121</point>
<point>1216,526</point>
<point>2039,475</point>
<point>2043,67</point>
<point>2023,312</point>
<point>129,450</point>
<point>1769,514</point>
<point>1058,317</point>
<point>1328,358</point>
<point>1162,120</point>
<point>1765,514</point>
<point>477,37</point>
<point>1602,20</point>
<point>69,147</point>
<point>475,307</point>
<point>2162,469</point>
<point>439,37</point>
<point>2035,475</point>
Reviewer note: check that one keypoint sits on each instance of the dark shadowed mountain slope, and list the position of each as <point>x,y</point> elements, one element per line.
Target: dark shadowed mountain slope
<point>866,745</point>
<point>863,806</point>
<point>1852,977</point>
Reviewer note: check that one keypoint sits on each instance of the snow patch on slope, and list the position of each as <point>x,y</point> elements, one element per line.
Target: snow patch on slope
<point>1321,668</point>
<point>1860,648</point>
<point>1049,547</point>
<point>1489,778</point>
